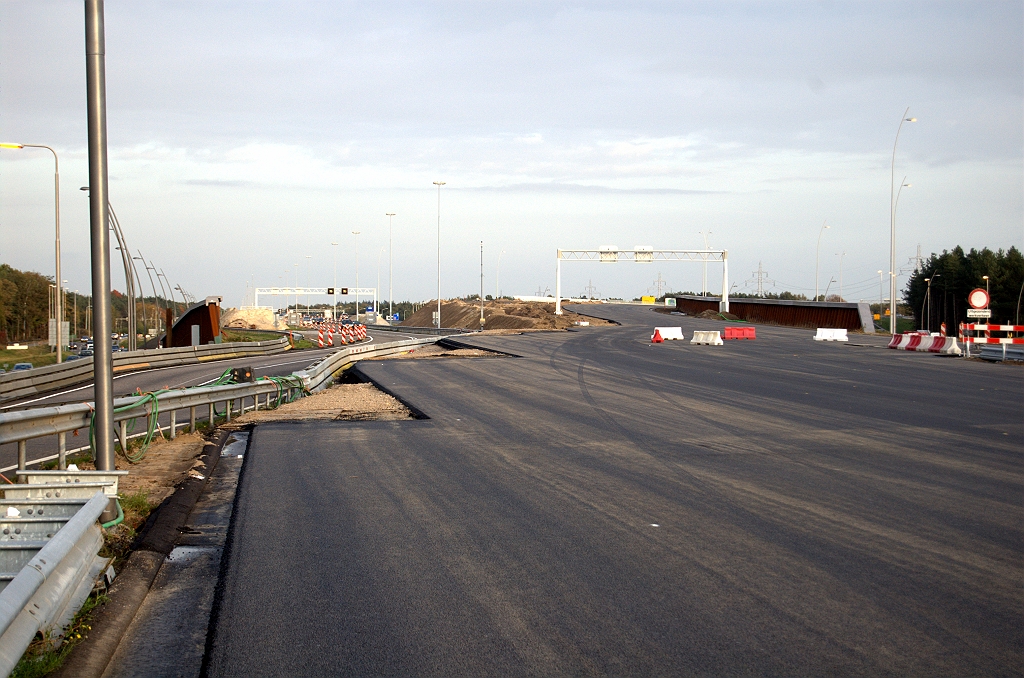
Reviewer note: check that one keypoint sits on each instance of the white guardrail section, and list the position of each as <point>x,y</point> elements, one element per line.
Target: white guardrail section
<point>50,589</point>
<point>22,425</point>
<point>52,377</point>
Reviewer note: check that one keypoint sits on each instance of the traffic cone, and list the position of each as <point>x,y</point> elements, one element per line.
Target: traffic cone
<point>656,339</point>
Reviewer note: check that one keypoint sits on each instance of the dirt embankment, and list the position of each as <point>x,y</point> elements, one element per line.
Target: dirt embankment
<point>499,315</point>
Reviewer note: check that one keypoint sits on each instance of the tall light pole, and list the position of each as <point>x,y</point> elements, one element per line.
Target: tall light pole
<point>56,212</point>
<point>892,225</point>
<point>334,309</point>
<point>928,301</point>
<point>985,278</point>
<point>356,234</point>
<point>497,273</point>
<point>103,365</point>
<point>439,184</point>
<point>297,293</point>
<point>894,274</point>
<point>881,295</point>
<point>817,255</point>
<point>481,284</point>
<point>391,277</point>
<point>704,278</point>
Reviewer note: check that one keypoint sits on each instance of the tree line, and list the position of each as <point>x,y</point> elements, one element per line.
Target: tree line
<point>953,274</point>
<point>25,303</point>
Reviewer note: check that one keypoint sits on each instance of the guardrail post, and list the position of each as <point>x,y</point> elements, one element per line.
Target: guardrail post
<point>62,450</point>
<point>211,414</point>
<point>22,456</point>
<point>256,402</point>
<point>192,419</point>
<point>227,409</point>
<point>124,436</point>
<point>173,423</point>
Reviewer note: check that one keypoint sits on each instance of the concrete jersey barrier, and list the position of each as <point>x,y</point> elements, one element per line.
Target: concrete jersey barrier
<point>830,334</point>
<point>711,338</point>
<point>670,333</point>
<point>923,343</point>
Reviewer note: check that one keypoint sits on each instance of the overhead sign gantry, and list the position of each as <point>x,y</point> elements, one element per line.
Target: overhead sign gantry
<point>609,254</point>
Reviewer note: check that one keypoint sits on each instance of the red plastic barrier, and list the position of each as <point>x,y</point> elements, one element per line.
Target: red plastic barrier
<point>740,333</point>
<point>656,338</point>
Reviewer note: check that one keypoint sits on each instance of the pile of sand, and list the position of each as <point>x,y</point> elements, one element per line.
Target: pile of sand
<point>499,315</point>
<point>347,402</point>
<point>250,319</point>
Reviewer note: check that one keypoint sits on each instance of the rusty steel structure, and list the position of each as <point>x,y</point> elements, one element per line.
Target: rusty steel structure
<point>206,316</point>
<point>854,317</point>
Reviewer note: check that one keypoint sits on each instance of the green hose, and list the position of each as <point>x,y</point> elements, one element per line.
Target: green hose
<point>116,521</point>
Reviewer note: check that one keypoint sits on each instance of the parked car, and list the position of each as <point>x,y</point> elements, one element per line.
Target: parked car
<point>21,367</point>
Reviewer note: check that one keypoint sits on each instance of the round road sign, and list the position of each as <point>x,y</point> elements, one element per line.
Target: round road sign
<point>978,298</point>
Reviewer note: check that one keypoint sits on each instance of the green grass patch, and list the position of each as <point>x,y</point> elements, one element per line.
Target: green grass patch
<point>45,654</point>
<point>37,355</point>
<point>249,335</point>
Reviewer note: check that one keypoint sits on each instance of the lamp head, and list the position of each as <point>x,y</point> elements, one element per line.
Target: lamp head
<point>911,119</point>
<point>984,277</point>
<point>8,145</point>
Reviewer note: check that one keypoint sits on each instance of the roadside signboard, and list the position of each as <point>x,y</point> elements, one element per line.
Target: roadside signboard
<point>979,312</point>
<point>978,298</point>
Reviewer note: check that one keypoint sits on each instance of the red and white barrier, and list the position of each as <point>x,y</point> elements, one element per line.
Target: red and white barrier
<point>320,337</point>
<point>330,335</point>
<point>923,343</point>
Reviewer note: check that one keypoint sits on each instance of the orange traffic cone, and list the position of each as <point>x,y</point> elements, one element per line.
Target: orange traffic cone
<point>656,339</point>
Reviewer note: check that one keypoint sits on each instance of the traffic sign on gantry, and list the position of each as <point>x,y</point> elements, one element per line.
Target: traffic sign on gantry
<point>610,254</point>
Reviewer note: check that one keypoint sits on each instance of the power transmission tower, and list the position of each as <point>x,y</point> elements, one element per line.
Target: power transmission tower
<point>590,289</point>
<point>659,284</point>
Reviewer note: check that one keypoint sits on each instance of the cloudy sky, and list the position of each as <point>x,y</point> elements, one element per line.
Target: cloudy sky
<point>246,137</point>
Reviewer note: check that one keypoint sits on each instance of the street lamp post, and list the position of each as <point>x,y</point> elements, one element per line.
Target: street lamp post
<point>892,225</point>
<point>928,302</point>
<point>391,277</point>
<point>481,284</point>
<point>439,184</point>
<point>334,308</point>
<point>56,243</point>
<point>356,234</point>
<point>817,256</point>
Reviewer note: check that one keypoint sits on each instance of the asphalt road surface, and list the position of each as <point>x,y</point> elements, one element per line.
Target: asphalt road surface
<point>602,506</point>
<point>182,376</point>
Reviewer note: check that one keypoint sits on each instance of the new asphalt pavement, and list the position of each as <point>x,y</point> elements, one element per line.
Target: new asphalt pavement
<point>603,506</point>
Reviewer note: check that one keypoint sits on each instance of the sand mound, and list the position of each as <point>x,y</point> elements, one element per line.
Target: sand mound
<point>499,315</point>
<point>250,319</point>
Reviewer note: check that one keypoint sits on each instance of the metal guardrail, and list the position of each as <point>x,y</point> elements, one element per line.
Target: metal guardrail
<point>50,377</point>
<point>51,588</point>
<point>22,425</point>
<point>1001,352</point>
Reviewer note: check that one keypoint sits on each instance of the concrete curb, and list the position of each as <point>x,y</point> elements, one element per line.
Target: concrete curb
<point>89,658</point>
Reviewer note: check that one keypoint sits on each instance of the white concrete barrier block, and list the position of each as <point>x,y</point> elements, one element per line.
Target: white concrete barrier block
<point>670,333</point>
<point>711,338</point>
<point>830,334</point>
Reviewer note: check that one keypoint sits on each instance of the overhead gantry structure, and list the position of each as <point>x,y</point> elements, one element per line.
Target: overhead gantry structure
<point>641,255</point>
